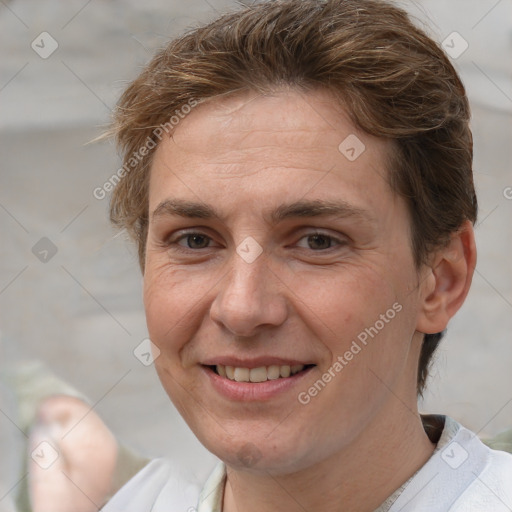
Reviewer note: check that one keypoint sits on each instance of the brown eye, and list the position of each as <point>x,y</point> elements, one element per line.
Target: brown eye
<point>319,242</point>
<point>195,240</point>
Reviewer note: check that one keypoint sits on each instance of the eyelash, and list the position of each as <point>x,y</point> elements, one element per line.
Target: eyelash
<point>174,242</point>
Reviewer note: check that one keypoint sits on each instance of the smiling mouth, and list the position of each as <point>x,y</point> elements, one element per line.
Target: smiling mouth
<point>261,374</point>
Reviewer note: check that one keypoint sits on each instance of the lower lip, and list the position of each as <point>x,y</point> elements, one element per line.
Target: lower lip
<point>253,391</point>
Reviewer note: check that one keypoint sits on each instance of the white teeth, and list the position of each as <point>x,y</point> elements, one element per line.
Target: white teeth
<point>242,374</point>
<point>260,374</point>
<point>273,372</point>
<point>285,371</point>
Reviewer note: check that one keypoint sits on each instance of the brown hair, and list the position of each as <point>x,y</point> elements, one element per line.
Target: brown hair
<point>395,81</point>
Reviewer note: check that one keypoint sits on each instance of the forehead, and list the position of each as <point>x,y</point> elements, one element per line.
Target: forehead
<point>250,118</point>
<point>256,146</point>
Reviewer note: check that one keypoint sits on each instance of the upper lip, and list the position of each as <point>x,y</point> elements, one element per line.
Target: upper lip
<point>255,362</point>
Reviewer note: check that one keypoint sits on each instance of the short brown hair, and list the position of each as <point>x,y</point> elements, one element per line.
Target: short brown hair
<point>395,81</point>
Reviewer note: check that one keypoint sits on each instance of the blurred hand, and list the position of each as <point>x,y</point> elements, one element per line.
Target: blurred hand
<point>72,457</point>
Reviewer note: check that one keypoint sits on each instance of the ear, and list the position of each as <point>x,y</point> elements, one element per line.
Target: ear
<point>446,281</point>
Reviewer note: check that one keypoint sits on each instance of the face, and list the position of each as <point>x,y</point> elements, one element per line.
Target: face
<point>274,249</point>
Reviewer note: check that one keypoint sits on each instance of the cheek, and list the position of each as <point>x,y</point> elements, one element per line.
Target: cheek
<point>362,306</point>
<point>168,303</point>
<point>176,303</point>
<point>348,299</point>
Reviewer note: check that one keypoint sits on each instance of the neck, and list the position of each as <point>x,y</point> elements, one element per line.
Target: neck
<point>359,477</point>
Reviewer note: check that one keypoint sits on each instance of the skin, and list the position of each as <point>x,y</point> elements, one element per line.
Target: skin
<point>246,155</point>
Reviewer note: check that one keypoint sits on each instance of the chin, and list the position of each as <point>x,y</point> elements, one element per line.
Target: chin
<point>257,454</point>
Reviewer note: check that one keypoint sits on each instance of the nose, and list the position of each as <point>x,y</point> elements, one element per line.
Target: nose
<point>251,297</point>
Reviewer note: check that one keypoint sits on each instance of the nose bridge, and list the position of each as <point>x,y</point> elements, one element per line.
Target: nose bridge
<point>248,297</point>
<point>248,281</point>
<point>248,261</point>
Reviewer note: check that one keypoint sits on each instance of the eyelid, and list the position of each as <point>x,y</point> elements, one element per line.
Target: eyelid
<point>339,240</point>
<point>177,236</point>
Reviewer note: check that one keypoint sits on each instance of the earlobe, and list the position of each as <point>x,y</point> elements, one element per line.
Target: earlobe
<point>447,281</point>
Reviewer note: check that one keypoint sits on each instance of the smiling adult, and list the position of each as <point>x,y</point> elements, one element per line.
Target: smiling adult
<point>305,231</point>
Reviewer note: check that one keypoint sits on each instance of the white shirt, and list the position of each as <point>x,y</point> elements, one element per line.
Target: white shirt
<point>462,475</point>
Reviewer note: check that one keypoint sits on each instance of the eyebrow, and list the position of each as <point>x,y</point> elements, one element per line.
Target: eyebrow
<point>297,209</point>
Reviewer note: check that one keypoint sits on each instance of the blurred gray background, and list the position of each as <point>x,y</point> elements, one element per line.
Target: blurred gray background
<point>80,310</point>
